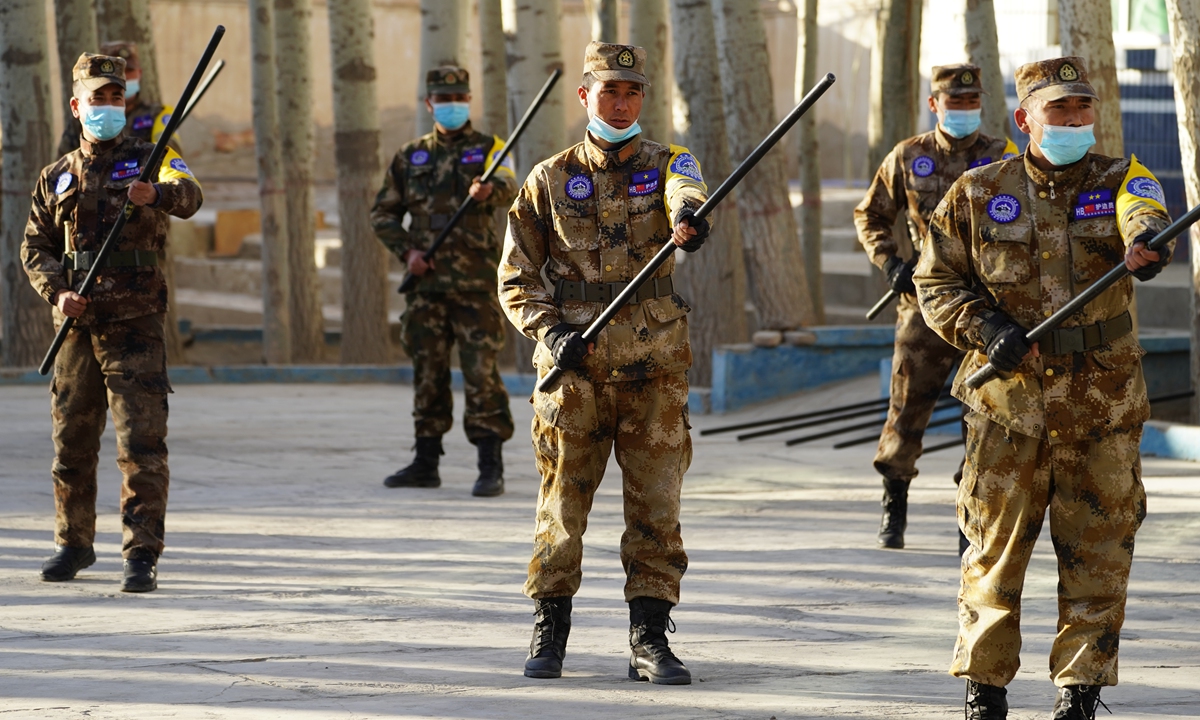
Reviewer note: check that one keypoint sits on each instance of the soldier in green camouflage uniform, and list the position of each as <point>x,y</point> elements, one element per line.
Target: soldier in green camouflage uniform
<point>113,357</point>
<point>591,218</point>
<point>454,300</point>
<point>912,180</point>
<point>1010,244</point>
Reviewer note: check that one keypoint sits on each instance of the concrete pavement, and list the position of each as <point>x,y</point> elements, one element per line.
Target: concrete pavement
<point>295,585</point>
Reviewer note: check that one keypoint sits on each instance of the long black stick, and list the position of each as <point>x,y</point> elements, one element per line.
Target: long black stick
<point>410,281</point>
<point>149,171</point>
<point>987,373</point>
<point>848,428</point>
<point>212,75</point>
<point>593,331</point>
<point>874,437</point>
<point>802,416</point>
<point>884,301</point>
<point>824,421</point>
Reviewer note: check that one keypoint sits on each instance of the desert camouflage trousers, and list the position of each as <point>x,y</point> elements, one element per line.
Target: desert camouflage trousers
<point>1093,491</point>
<point>431,324</point>
<point>921,363</point>
<point>575,428</point>
<point>122,366</point>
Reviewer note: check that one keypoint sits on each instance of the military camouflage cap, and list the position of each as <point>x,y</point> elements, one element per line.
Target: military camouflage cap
<point>1054,79</point>
<point>123,49</point>
<point>96,71</point>
<point>447,80</point>
<point>961,79</point>
<point>609,61</point>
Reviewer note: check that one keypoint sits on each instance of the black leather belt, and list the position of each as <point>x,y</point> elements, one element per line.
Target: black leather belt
<point>438,221</point>
<point>84,260</point>
<point>605,292</point>
<point>1087,337</point>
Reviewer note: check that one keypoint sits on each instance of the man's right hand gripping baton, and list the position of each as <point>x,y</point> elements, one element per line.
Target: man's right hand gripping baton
<point>589,336</point>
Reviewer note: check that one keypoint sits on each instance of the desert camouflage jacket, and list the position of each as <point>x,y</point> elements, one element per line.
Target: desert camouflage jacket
<point>600,216</point>
<point>428,179</point>
<point>912,179</point>
<point>1013,238</point>
<point>87,189</point>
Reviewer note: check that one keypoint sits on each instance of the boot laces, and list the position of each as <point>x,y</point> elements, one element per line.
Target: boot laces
<point>651,635</point>
<point>981,703</point>
<point>1087,700</point>
<point>544,629</point>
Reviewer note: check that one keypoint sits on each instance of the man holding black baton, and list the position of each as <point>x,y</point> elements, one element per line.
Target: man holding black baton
<point>591,218</point>
<point>1059,430</point>
<point>114,355</point>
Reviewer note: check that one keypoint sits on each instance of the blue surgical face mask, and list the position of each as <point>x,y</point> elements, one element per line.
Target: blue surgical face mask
<point>451,115</point>
<point>1065,145</point>
<point>132,87</point>
<point>608,133</point>
<point>960,123</point>
<point>103,122</point>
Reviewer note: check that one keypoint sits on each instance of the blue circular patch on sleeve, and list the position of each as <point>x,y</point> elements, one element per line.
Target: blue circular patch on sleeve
<point>923,166</point>
<point>1147,188</point>
<point>580,187</point>
<point>64,182</point>
<point>1004,209</point>
<point>685,164</point>
<point>419,157</point>
<point>180,165</point>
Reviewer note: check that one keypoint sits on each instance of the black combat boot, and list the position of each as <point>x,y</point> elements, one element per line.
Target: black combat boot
<point>895,513</point>
<point>651,659</point>
<point>423,472</point>
<point>550,631</point>
<point>1077,702</point>
<point>491,468</point>
<point>986,702</point>
<point>141,572</point>
<point>66,562</point>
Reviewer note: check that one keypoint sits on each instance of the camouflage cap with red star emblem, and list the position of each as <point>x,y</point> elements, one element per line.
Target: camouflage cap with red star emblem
<point>961,79</point>
<point>610,61</point>
<point>1054,79</point>
<point>96,71</point>
<point>447,80</point>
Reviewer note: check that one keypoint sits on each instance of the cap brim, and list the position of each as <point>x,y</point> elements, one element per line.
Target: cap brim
<point>1059,91</point>
<point>626,75</point>
<point>956,91</point>
<point>95,83</point>
<point>448,89</point>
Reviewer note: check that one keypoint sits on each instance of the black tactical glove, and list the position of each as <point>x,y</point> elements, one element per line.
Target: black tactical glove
<point>1005,342</point>
<point>700,225</point>
<point>566,345</point>
<point>1153,269</point>
<point>899,275</point>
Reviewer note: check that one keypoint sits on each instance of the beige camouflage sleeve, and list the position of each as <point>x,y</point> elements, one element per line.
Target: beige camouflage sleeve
<point>42,249</point>
<point>387,215</point>
<point>876,214</point>
<point>944,276</point>
<point>524,297</point>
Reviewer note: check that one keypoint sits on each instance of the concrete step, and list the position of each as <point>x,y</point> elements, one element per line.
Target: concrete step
<point>1166,301</point>
<point>848,280</point>
<point>328,250</point>
<point>210,308</point>
<point>837,204</point>
<point>244,277</point>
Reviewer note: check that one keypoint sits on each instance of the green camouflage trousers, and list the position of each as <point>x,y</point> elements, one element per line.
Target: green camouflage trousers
<point>921,363</point>
<point>575,428</point>
<point>1094,494</point>
<point>118,365</point>
<point>431,324</point>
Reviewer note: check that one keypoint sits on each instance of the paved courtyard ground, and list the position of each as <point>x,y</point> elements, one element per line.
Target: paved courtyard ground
<point>295,585</point>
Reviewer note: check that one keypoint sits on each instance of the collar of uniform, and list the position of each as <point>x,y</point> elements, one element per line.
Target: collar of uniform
<point>953,144</point>
<point>92,149</point>
<point>452,139</point>
<point>1069,176</point>
<point>606,159</point>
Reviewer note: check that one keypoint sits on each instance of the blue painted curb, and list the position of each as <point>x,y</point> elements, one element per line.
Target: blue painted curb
<point>1171,440</point>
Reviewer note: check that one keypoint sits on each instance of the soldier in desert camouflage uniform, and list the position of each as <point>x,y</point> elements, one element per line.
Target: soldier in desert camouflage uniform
<point>114,356</point>
<point>455,300</point>
<point>912,180</point>
<point>591,218</point>
<point>1010,244</point>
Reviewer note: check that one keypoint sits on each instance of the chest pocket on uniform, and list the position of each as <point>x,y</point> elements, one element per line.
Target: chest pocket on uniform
<point>420,181</point>
<point>62,205</point>
<point>1096,248</point>
<point>1004,255</point>
<point>575,224</point>
<point>648,219</point>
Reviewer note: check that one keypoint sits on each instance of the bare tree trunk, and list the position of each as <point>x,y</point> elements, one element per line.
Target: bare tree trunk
<point>293,92</point>
<point>648,29</point>
<point>130,20</point>
<point>606,20</point>
<point>774,262</point>
<point>25,126</point>
<point>713,280</point>
<point>983,49</point>
<point>443,42</point>
<point>810,160</point>
<point>356,137</point>
<point>534,36</point>
<point>494,82</point>
<point>1183,17</point>
<point>75,26</point>
<point>1085,29</point>
<point>277,337</point>
<point>895,78</point>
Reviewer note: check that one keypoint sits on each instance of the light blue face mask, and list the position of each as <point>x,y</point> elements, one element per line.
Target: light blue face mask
<point>103,122</point>
<point>608,133</point>
<point>1065,145</point>
<point>451,115</point>
<point>960,123</point>
<point>132,87</point>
